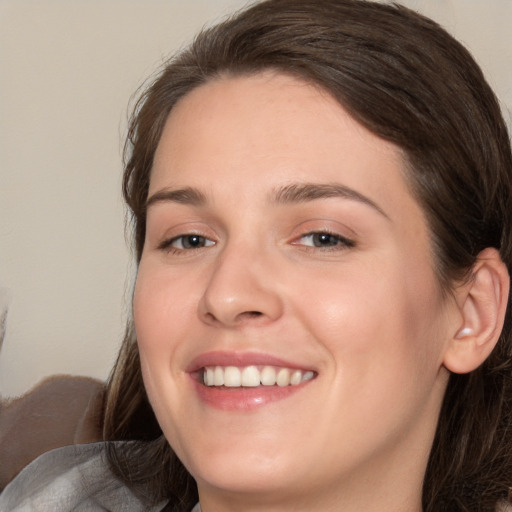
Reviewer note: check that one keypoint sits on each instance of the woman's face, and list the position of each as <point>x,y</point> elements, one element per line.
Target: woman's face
<point>283,243</point>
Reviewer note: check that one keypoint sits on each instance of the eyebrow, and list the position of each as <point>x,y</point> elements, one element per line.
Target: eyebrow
<point>305,192</point>
<point>188,195</point>
<point>289,194</point>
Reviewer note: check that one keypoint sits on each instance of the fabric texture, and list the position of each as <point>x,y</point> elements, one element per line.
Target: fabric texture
<point>73,478</point>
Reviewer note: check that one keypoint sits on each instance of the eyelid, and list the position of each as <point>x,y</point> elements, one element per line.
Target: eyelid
<point>168,225</point>
<point>324,225</point>
<point>167,243</point>
<point>344,242</point>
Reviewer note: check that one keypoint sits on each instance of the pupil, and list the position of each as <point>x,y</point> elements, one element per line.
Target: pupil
<point>193,241</point>
<point>323,239</point>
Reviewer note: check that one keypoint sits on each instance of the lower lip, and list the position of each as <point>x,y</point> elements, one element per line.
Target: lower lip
<point>244,399</point>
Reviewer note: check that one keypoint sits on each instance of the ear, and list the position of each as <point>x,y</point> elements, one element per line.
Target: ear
<point>482,303</point>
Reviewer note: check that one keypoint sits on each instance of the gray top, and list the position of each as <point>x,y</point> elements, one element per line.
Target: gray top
<point>73,478</point>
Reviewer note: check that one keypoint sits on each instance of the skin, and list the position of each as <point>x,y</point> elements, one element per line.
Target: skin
<point>366,315</point>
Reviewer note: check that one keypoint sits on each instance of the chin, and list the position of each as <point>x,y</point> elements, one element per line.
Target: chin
<point>252,468</point>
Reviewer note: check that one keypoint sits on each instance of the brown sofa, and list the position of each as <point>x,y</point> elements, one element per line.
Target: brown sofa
<point>59,411</point>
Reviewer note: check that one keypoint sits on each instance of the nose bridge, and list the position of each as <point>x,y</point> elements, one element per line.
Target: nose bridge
<point>240,287</point>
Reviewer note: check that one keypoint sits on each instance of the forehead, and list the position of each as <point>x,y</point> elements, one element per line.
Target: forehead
<point>232,130</point>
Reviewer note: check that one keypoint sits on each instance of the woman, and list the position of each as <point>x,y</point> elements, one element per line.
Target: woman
<point>321,196</point>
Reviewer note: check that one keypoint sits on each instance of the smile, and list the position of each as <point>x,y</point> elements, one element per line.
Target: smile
<point>254,376</point>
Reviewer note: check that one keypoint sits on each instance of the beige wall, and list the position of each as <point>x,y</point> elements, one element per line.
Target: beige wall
<point>68,70</point>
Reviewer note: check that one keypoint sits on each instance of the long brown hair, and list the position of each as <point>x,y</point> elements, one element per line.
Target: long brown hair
<point>404,78</point>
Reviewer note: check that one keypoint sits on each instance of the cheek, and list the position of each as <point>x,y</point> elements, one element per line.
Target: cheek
<point>159,318</point>
<point>378,327</point>
<point>162,307</point>
<point>379,316</point>
<point>156,314</point>
<point>149,327</point>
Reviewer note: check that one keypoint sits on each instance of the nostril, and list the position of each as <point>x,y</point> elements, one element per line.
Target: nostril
<point>210,317</point>
<point>240,316</point>
<point>245,316</point>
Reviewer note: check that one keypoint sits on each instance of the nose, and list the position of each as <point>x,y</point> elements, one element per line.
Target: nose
<point>241,290</point>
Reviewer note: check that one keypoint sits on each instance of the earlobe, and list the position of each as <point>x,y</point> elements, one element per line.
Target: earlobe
<point>482,304</point>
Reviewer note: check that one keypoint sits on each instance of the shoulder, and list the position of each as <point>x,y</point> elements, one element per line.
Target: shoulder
<point>69,478</point>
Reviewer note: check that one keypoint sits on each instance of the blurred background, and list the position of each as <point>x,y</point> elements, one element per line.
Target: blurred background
<point>68,74</point>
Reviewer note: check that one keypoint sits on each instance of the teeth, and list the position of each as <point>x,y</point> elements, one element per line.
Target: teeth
<point>268,376</point>
<point>283,377</point>
<point>208,377</point>
<point>253,376</point>
<point>218,376</point>
<point>308,376</point>
<point>250,377</point>
<point>296,377</point>
<point>232,377</point>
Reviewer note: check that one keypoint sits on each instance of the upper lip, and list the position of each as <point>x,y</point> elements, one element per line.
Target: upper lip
<point>241,359</point>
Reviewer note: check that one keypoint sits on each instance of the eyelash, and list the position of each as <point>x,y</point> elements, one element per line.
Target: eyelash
<point>340,244</point>
<point>167,245</point>
<point>335,241</point>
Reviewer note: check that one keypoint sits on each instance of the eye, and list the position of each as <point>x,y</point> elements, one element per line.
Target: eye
<point>325,240</point>
<point>187,242</point>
